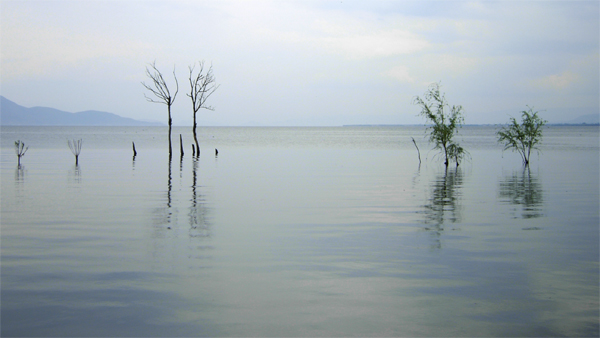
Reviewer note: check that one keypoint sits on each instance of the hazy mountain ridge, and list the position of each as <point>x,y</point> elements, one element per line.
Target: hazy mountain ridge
<point>12,114</point>
<point>585,119</point>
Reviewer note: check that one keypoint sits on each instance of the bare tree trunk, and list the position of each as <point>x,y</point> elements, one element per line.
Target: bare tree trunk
<point>170,124</point>
<point>196,137</point>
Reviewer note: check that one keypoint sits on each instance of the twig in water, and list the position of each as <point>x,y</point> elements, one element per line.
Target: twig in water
<point>418,152</point>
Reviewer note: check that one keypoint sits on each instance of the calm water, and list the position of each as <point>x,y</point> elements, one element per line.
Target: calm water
<point>297,232</point>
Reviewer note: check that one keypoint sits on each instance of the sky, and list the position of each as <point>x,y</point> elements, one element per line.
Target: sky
<point>305,63</point>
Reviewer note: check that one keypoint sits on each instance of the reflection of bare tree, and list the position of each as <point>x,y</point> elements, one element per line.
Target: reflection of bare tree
<point>181,167</point>
<point>523,189</point>
<point>172,239</point>
<point>75,173</point>
<point>20,174</point>
<point>169,190</point>
<point>199,225</point>
<point>416,177</point>
<point>443,204</point>
<point>164,215</point>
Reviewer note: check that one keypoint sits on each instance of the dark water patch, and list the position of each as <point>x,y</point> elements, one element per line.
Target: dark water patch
<point>127,312</point>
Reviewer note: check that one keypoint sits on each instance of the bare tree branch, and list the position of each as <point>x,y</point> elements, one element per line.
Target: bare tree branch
<point>202,86</point>
<point>160,89</point>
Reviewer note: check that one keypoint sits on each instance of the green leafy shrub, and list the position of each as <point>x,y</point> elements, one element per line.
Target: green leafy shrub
<point>445,122</point>
<point>525,136</point>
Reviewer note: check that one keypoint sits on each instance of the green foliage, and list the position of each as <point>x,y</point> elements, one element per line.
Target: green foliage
<point>457,153</point>
<point>445,122</point>
<point>523,137</point>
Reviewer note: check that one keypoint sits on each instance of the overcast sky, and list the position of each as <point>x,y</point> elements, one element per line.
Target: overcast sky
<point>305,62</point>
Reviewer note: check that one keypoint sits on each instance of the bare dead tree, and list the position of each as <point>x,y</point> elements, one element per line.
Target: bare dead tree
<point>202,86</point>
<point>20,150</point>
<point>75,147</point>
<point>160,89</point>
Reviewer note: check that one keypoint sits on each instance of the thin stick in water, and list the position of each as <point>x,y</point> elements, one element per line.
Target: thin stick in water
<point>418,152</point>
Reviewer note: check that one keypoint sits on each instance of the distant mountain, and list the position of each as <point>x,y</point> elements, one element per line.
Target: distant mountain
<point>12,114</point>
<point>586,119</point>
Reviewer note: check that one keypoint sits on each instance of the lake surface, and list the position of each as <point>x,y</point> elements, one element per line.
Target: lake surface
<point>297,232</point>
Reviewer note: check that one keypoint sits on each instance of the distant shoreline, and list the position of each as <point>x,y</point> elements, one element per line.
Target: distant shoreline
<point>342,126</point>
<point>467,125</point>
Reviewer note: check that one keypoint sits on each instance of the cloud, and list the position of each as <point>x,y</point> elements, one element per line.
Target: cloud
<point>399,73</point>
<point>580,74</point>
<point>31,49</point>
<point>354,36</point>
<point>384,43</point>
<point>364,39</point>
<point>556,81</point>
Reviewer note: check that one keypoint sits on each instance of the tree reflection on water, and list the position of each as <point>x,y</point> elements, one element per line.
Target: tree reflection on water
<point>75,174</point>
<point>165,217</point>
<point>20,174</point>
<point>181,226</point>
<point>199,225</point>
<point>444,203</point>
<point>522,190</point>
<point>164,214</point>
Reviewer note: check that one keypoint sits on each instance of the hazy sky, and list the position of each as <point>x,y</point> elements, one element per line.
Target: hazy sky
<point>305,62</point>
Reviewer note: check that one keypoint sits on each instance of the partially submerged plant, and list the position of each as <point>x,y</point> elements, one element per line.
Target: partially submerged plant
<point>525,136</point>
<point>20,150</point>
<point>457,153</point>
<point>75,147</point>
<point>445,120</point>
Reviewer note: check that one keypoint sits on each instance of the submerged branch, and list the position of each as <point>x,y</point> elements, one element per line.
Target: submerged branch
<point>418,152</point>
